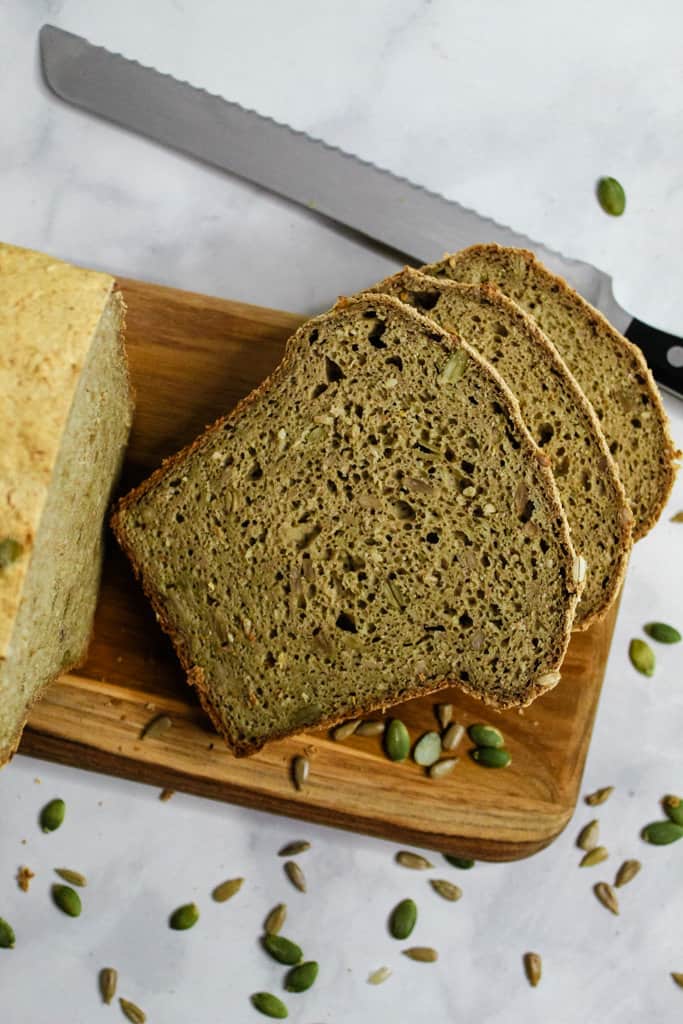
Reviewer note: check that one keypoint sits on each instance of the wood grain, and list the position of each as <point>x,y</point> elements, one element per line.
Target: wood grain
<point>191,359</point>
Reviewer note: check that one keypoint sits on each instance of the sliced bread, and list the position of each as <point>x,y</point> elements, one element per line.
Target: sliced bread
<point>349,535</point>
<point>64,421</point>
<point>610,370</point>
<point>555,410</point>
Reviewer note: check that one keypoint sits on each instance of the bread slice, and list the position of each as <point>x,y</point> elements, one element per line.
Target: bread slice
<point>555,410</point>
<point>64,420</point>
<point>611,371</point>
<point>349,536</point>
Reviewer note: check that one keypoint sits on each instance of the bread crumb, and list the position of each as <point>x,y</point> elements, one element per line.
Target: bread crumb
<point>24,876</point>
<point>166,794</point>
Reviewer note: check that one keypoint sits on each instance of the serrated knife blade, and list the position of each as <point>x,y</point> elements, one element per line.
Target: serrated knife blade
<point>352,192</point>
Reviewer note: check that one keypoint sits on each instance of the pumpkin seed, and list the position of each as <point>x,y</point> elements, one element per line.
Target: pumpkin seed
<point>156,727</point>
<point>673,808</point>
<point>627,872</point>
<point>403,919</point>
<point>295,875</point>
<point>607,896</point>
<point>678,978</point>
<point>281,949</point>
<point>452,736</point>
<point>442,768</point>
<point>346,729</point>
<point>370,728</point>
<point>594,856</point>
<point>412,860</point>
<point>7,936</point>
<point>52,815</point>
<point>300,978</point>
<point>444,714</point>
<point>226,890</point>
<point>300,769</point>
<point>491,757</point>
<point>642,657</point>
<point>445,889</point>
<point>589,835</point>
<point>427,749</point>
<point>599,796</point>
<point>423,954</point>
<point>292,849</point>
<point>132,1012</point>
<point>67,899</point>
<point>10,550</point>
<point>454,368</point>
<point>269,1005</point>
<point>662,633</point>
<point>397,740</point>
<point>533,966</point>
<point>486,736</point>
<point>184,917</point>
<point>108,980</point>
<point>464,863</point>
<point>677,518</point>
<point>611,196</point>
<point>661,833</point>
<point>72,877</point>
<point>275,920</point>
<point>379,976</point>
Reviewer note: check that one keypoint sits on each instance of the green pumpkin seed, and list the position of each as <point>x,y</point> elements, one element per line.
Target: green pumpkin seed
<point>423,954</point>
<point>156,727</point>
<point>662,633</point>
<point>454,368</point>
<point>445,889</point>
<point>442,768</point>
<point>599,796</point>
<point>673,808</point>
<point>533,966</point>
<point>7,936</point>
<point>226,890</point>
<point>678,978</point>
<point>300,769</point>
<point>486,736</point>
<point>444,714</point>
<point>661,833</point>
<point>397,740</point>
<point>132,1012</point>
<point>108,980</point>
<point>295,875</point>
<point>346,729</point>
<point>642,657</point>
<point>607,896</point>
<point>379,976</point>
<point>491,757</point>
<point>72,877</point>
<point>184,917</point>
<point>52,815</point>
<point>427,749</point>
<point>67,899</point>
<point>403,919</point>
<point>464,863</point>
<point>589,835</point>
<point>611,196</point>
<point>452,736</point>
<point>10,550</point>
<point>302,977</point>
<point>373,727</point>
<point>275,920</point>
<point>594,856</point>
<point>413,860</point>
<point>281,949</point>
<point>628,871</point>
<point>269,1005</point>
<point>292,849</point>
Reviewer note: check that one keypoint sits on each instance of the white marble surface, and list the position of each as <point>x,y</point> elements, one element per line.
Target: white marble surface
<point>514,109</point>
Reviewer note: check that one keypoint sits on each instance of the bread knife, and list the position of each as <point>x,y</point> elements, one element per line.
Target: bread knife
<point>375,203</point>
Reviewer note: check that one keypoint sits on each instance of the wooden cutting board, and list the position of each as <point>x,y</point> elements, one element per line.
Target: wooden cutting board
<point>191,359</point>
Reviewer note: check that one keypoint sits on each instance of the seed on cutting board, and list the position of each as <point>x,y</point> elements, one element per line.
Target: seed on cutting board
<point>442,768</point>
<point>346,729</point>
<point>678,978</point>
<point>292,849</point>
<point>108,980</point>
<point>269,1005</point>
<point>444,714</point>
<point>611,196</point>
<point>300,978</point>
<point>607,896</point>
<point>72,877</point>
<point>7,936</point>
<point>627,872</point>
<point>464,863</point>
<point>661,833</point>
<point>403,918</point>
<point>589,835</point>
<point>599,796</point>
<point>300,769</point>
<point>276,919</point>
<point>156,727</point>
<point>67,899</point>
<point>486,735</point>
<point>423,954</point>
<point>295,875</point>
<point>52,815</point>
<point>673,808</point>
<point>642,657</point>
<point>427,749</point>
<point>533,966</point>
<point>373,727</point>
<point>412,860</point>
<point>595,856</point>
<point>396,740</point>
<point>281,949</point>
<point>226,890</point>
<point>447,890</point>
<point>662,633</point>
<point>379,976</point>
<point>491,757</point>
<point>452,736</point>
<point>132,1012</point>
<point>184,917</point>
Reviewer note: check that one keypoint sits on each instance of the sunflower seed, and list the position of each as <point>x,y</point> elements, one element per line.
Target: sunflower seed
<point>226,890</point>
<point>594,856</point>
<point>611,196</point>
<point>291,849</point>
<point>403,918</point>
<point>423,954</point>
<point>447,890</point>
<point>300,769</point>
<point>444,714</point>
<point>156,728</point>
<point>346,729</point>
<point>627,872</point>
<point>442,768</point>
<point>295,875</point>
<point>281,949</point>
<point>491,757</point>
<point>427,749</point>
<point>72,877</point>
<point>7,936</point>
<point>269,1005</point>
<point>642,657</point>
<point>276,919</point>
<point>132,1012</point>
<point>678,978</point>
<point>370,728</point>
<point>599,796</point>
<point>607,896</point>
<point>412,860</point>
<point>379,976</point>
<point>300,978</point>
<point>673,808</point>
<point>661,833</point>
<point>452,736</point>
<point>108,979</point>
<point>184,917</point>
<point>533,966</point>
<point>67,899</point>
<point>397,740</point>
<point>589,835</point>
<point>662,633</point>
<point>486,735</point>
<point>52,815</point>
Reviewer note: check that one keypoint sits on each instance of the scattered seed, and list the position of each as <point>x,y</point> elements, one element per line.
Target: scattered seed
<point>662,633</point>
<point>166,795</point>
<point>67,899</point>
<point>108,980</point>
<point>491,757</point>
<point>269,1005</point>
<point>52,815</point>
<point>599,796</point>
<point>661,833</point>
<point>677,518</point>
<point>594,856</point>
<point>10,550</point>
<point>444,714</point>
<point>442,768</point>
<point>397,740</point>
<point>611,196</point>
<point>678,978</point>
<point>226,890</point>
<point>427,749</point>
<point>295,875</point>
<point>184,917</point>
<point>452,736</point>
<point>24,876</point>
<point>372,727</point>
<point>533,966</point>
<point>642,657</point>
<point>300,769</point>
<point>412,860</point>
<point>423,954</point>
<point>454,368</point>
<point>607,896</point>
<point>72,877</point>
<point>156,727</point>
<point>486,736</point>
<point>673,808</point>
<point>464,863</point>
<point>132,1012</point>
<point>589,835</point>
<point>627,872</point>
<point>346,729</point>
<point>403,918</point>
<point>447,890</point>
<point>300,978</point>
<point>379,976</point>
<point>281,949</point>
<point>292,849</point>
<point>7,936</point>
<point>276,919</point>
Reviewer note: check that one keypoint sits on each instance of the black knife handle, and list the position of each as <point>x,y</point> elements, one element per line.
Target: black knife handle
<point>664,354</point>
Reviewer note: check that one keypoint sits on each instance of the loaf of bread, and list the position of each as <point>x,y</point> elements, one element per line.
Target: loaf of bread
<point>555,410</point>
<point>610,370</point>
<point>352,534</point>
<point>64,421</point>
